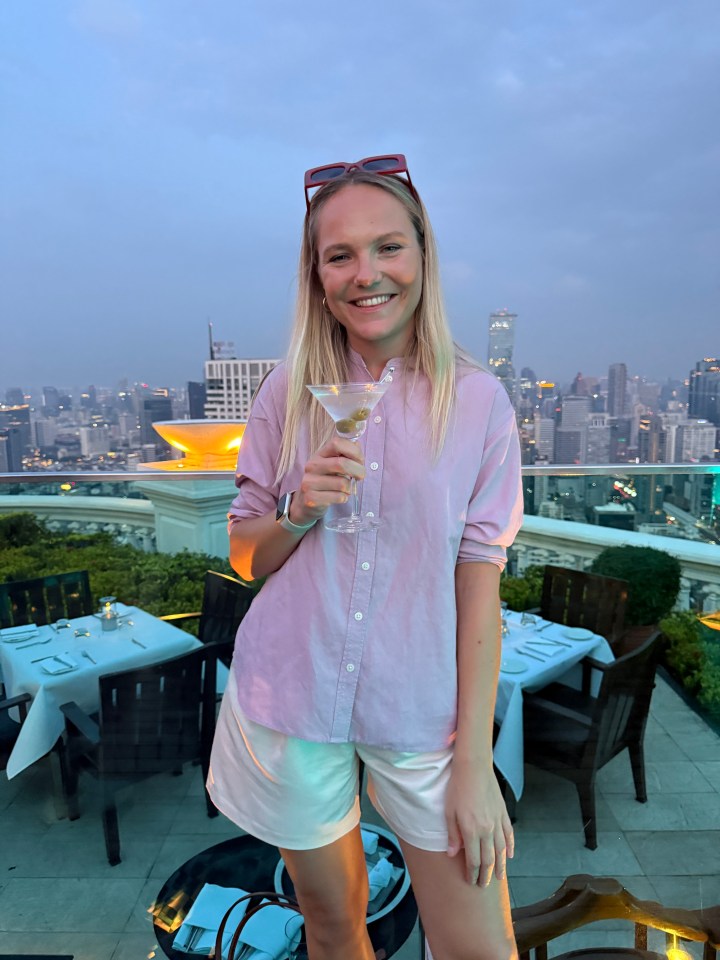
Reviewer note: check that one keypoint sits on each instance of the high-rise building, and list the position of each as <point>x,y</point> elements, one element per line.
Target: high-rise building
<point>17,417</point>
<point>696,441</point>
<point>544,438</point>
<point>152,410</point>
<point>575,411</point>
<point>652,440</point>
<point>14,396</point>
<point>570,445</point>
<point>51,401</point>
<point>617,389</point>
<point>704,391</point>
<point>196,397</point>
<point>598,439</point>
<point>11,450</point>
<point>230,386</point>
<point>501,339</point>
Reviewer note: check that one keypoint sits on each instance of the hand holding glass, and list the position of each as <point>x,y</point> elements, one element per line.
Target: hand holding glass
<point>350,406</point>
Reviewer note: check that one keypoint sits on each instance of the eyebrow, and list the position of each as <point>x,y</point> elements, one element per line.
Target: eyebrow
<point>383,238</point>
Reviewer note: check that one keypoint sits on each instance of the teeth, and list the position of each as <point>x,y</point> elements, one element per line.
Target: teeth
<point>373,301</point>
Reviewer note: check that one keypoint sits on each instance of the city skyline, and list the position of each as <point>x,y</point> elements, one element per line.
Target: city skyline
<point>153,162</point>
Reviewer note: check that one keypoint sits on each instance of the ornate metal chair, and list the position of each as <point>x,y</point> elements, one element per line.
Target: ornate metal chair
<point>584,899</point>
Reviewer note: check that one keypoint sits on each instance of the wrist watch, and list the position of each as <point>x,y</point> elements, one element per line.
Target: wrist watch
<point>282,515</point>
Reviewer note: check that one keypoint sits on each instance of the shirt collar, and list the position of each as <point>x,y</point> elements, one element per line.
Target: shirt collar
<point>356,363</point>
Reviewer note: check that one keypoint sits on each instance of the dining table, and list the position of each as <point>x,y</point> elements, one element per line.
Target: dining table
<point>535,652</point>
<point>57,663</point>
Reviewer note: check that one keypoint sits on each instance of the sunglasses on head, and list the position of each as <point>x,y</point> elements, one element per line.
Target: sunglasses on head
<point>394,163</point>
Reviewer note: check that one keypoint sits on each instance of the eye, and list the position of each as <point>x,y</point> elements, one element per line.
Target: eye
<point>337,258</point>
<point>390,248</point>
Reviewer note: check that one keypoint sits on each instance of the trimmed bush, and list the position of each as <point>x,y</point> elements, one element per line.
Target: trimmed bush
<point>653,578</point>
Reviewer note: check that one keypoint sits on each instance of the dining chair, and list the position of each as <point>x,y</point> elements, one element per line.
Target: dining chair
<point>45,599</point>
<point>574,733</point>
<point>583,899</point>
<point>10,728</point>
<point>225,602</point>
<point>579,599</point>
<point>152,719</point>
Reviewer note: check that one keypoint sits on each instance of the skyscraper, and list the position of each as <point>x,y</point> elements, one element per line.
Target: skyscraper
<point>501,339</point>
<point>704,391</point>
<point>230,386</point>
<point>617,385</point>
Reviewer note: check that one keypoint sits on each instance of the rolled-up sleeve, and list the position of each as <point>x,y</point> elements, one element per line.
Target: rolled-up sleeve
<point>258,490</point>
<point>495,510</point>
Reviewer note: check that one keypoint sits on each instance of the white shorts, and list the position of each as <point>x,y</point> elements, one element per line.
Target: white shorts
<point>302,795</point>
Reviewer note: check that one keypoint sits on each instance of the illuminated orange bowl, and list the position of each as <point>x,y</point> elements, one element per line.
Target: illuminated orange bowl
<point>207,444</point>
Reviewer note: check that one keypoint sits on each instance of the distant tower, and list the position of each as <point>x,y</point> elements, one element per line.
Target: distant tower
<point>704,393</point>
<point>617,381</point>
<point>501,340</point>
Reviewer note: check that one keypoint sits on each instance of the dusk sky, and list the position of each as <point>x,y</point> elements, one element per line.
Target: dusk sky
<point>153,156</point>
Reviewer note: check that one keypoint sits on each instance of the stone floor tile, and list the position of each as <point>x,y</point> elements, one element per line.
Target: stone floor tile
<point>562,854</point>
<point>688,892</point>
<point>698,746</point>
<point>176,850</point>
<point>83,946</point>
<point>67,858</point>
<point>662,777</point>
<point>193,818</point>
<point>681,853</point>
<point>661,747</point>
<point>138,946</point>
<point>140,920</point>
<point>73,906</point>
<point>527,890</point>
<point>702,812</point>
<point>710,769</point>
<point>663,811</point>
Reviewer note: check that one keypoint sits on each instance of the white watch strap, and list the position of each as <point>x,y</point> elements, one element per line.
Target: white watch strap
<point>287,524</point>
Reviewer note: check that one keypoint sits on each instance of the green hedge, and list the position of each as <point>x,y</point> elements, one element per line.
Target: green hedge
<point>653,578</point>
<point>692,655</point>
<point>160,583</point>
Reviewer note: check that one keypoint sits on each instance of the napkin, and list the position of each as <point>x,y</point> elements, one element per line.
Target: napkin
<point>198,931</point>
<point>369,841</point>
<point>270,933</point>
<point>58,664</point>
<point>17,634</point>
<point>382,877</point>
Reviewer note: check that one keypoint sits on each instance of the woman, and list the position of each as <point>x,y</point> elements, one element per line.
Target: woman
<point>382,645</point>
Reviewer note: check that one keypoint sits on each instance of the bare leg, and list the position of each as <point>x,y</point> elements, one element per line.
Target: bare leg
<point>462,922</point>
<point>332,890</point>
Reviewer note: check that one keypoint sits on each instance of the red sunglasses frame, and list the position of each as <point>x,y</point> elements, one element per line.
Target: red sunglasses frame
<point>400,166</point>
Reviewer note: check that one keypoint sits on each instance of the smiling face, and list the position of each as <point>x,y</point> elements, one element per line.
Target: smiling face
<point>371,268</point>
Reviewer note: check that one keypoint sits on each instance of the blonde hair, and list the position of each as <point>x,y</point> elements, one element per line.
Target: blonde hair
<point>318,345</point>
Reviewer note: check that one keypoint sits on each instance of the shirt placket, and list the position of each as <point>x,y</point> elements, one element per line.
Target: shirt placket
<point>365,559</point>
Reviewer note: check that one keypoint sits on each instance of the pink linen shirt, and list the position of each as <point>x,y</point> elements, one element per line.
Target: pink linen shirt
<point>354,637</point>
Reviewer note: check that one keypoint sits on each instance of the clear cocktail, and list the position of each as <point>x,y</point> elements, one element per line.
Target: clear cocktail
<point>350,406</point>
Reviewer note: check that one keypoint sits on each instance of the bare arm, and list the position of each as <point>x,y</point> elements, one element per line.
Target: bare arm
<point>259,546</point>
<point>476,814</point>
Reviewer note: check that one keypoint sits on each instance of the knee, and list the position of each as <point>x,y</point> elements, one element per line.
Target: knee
<point>334,915</point>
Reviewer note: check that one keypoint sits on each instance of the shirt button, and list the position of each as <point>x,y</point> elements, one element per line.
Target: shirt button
<point>369,514</point>
<point>365,565</point>
<point>374,465</point>
<point>350,667</point>
<point>378,419</point>
<point>358,616</point>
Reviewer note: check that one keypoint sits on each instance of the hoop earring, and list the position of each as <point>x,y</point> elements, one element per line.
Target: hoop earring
<point>324,305</point>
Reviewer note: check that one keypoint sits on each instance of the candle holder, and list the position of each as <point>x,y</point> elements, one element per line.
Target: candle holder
<point>108,614</point>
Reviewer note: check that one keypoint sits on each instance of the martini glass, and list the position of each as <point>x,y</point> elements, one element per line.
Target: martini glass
<point>350,405</point>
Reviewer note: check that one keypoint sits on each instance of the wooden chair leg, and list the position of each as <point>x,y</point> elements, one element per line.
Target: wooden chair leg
<point>637,762</point>
<point>586,795</point>
<point>68,781</point>
<point>110,828</point>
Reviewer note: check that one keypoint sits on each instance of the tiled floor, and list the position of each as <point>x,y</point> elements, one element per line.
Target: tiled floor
<point>58,893</point>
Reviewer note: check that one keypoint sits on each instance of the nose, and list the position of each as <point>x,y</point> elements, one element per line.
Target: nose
<point>367,274</point>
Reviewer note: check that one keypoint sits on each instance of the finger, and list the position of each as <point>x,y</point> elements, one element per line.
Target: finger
<point>343,448</point>
<point>509,836</point>
<point>500,856</point>
<point>454,841</point>
<point>473,861</point>
<point>487,861</point>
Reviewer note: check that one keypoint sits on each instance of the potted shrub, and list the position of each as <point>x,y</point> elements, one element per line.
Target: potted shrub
<point>691,655</point>
<point>653,578</point>
<point>522,593</point>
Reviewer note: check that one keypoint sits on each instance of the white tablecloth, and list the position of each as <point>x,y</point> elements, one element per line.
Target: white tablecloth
<point>558,664</point>
<point>112,651</point>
